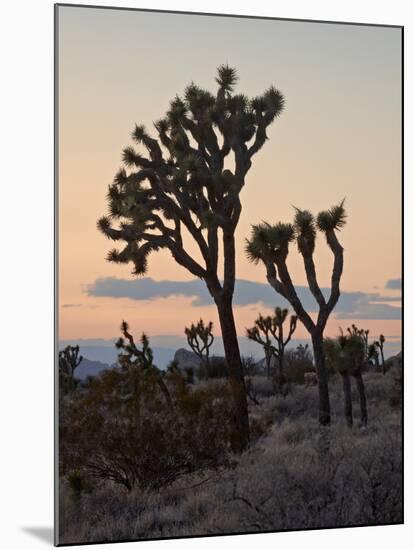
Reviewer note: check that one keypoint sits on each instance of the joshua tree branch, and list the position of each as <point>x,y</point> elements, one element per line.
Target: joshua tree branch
<point>229,263</point>
<point>312,279</point>
<point>337,251</point>
<point>291,295</point>
<point>292,328</point>
<point>273,279</point>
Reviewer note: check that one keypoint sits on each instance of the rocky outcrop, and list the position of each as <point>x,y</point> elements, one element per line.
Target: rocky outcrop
<point>395,361</point>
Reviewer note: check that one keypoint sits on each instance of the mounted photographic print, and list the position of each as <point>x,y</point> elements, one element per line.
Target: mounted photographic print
<point>229,275</point>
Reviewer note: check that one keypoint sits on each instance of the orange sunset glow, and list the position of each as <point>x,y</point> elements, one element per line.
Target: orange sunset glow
<point>339,136</point>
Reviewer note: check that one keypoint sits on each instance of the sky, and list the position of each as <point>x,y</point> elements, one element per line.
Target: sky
<point>340,136</point>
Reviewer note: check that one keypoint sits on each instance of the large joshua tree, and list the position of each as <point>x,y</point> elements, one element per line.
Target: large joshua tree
<point>182,190</point>
<point>270,245</point>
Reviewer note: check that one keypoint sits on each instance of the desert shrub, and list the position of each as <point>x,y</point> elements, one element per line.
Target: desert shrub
<point>261,386</point>
<point>217,369</point>
<point>295,476</point>
<point>396,392</point>
<point>133,438</point>
<point>250,367</point>
<point>79,484</point>
<point>293,433</point>
<point>189,371</point>
<point>297,362</point>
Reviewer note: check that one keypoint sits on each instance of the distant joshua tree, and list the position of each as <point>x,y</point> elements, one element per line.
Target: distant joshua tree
<point>261,334</point>
<point>380,345</point>
<point>370,350</point>
<point>69,361</point>
<point>138,362</point>
<point>181,188</point>
<point>373,355</point>
<point>200,339</point>
<point>271,327</point>
<point>354,347</point>
<point>270,245</point>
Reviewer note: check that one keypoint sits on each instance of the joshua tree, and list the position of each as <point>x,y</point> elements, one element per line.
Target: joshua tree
<point>353,330</point>
<point>335,355</point>
<point>181,190</point>
<point>270,245</point>
<point>261,334</point>
<point>69,361</point>
<point>353,346</point>
<point>373,354</point>
<point>200,338</point>
<point>347,354</point>
<point>370,350</point>
<point>138,362</point>
<point>380,345</point>
<point>266,328</point>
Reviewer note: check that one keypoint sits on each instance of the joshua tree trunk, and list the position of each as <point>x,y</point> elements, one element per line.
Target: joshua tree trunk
<point>233,359</point>
<point>362,399</point>
<point>322,373</point>
<point>207,365</point>
<point>165,392</point>
<point>185,186</point>
<point>384,370</point>
<point>346,385</point>
<point>268,358</point>
<point>279,377</point>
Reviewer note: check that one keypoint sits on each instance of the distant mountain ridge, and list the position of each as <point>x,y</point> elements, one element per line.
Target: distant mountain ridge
<point>107,354</point>
<point>91,368</point>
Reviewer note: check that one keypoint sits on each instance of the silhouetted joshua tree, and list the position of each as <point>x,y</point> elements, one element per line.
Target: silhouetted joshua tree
<point>336,357</point>
<point>370,350</point>
<point>355,359</point>
<point>380,345</point>
<point>69,361</point>
<point>182,189</point>
<point>373,355</point>
<point>200,339</point>
<point>271,327</point>
<point>270,245</point>
<point>138,362</point>
<point>261,334</point>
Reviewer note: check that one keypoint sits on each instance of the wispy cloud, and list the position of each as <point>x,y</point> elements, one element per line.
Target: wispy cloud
<point>72,305</point>
<point>351,305</point>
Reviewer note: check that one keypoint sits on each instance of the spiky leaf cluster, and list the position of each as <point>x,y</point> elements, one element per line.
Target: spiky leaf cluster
<point>332,219</point>
<point>305,231</point>
<point>267,241</point>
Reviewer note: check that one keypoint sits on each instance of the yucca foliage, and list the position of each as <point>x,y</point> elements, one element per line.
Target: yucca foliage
<point>176,183</point>
<point>268,331</point>
<point>200,338</point>
<point>270,245</point>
